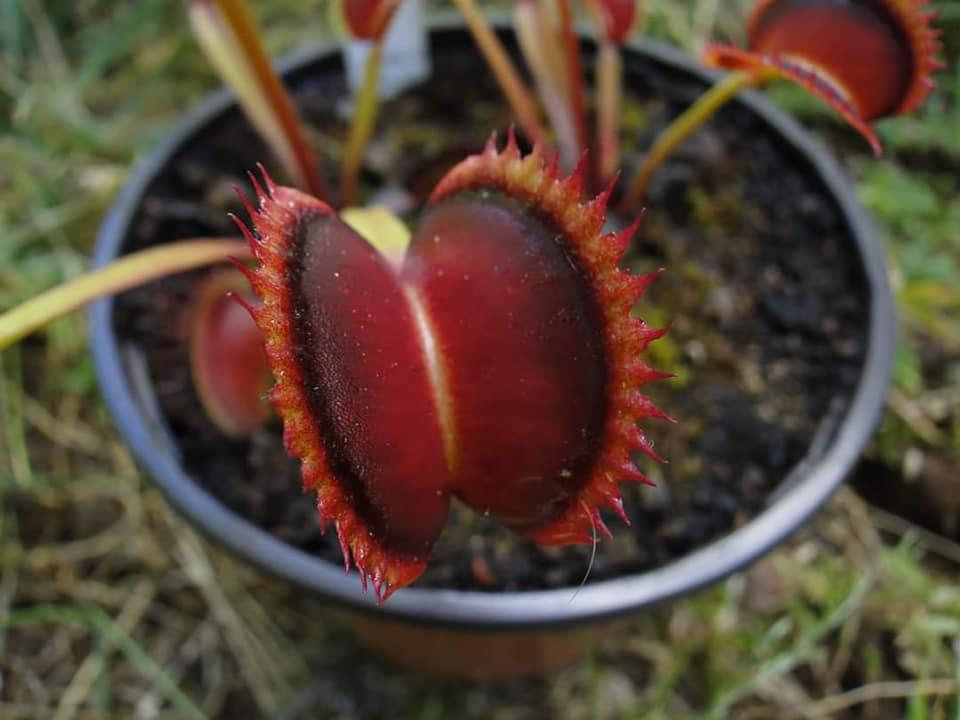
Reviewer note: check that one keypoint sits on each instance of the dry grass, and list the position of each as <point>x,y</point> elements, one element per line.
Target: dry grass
<point>111,607</point>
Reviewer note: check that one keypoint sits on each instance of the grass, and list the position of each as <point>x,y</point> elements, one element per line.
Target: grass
<point>110,606</point>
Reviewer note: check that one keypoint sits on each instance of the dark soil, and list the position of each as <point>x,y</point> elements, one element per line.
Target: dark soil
<point>766,307</point>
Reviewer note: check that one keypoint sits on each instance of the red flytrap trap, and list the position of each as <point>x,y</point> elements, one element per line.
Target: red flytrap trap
<point>499,364</point>
<point>868,59</point>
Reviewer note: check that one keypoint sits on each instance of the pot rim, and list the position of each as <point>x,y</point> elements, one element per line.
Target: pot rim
<point>809,484</point>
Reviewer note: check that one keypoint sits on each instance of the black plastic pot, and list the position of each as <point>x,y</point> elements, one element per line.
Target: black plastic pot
<point>529,622</point>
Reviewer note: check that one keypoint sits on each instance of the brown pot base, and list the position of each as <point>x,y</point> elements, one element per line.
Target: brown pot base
<point>475,655</point>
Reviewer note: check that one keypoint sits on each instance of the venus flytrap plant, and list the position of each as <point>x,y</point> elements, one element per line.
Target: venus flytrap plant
<point>227,360</point>
<point>574,72</point>
<point>544,58</point>
<point>558,354</point>
<point>365,20</point>
<point>227,32</point>
<point>128,272</point>
<point>682,127</point>
<point>513,88</point>
<point>492,354</point>
<point>615,20</point>
<point>868,60</point>
<point>551,50</point>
